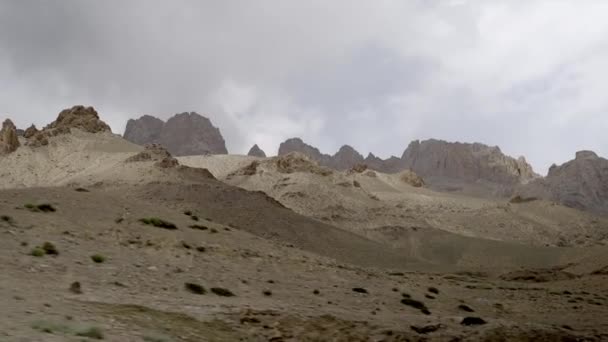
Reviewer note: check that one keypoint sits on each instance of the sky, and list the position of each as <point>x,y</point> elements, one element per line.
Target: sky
<point>526,75</point>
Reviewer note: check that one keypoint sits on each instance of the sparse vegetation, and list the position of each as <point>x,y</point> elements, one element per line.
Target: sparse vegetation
<point>433,290</point>
<point>37,252</point>
<point>198,227</point>
<point>194,218</point>
<point>156,222</point>
<point>188,213</point>
<point>155,338</point>
<point>50,248</point>
<point>465,308</point>
<point>98,258</point>
<point>427,329</point>
<point>44,208</point>
<point>51,327</point>
<point>360,290</point>
<point>6,218</point>
<point>267,293</point>
<point>416,304</point>
<point>76,288</point>
<point>82,190</point>
<point>60,328</point>
<point>91,332</point>
<point>519,199</point>
<point>222,292</point>
<point>195,288</point>
<point>473,321</point>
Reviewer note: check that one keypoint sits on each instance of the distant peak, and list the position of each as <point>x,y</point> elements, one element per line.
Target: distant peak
<point>585,154</point>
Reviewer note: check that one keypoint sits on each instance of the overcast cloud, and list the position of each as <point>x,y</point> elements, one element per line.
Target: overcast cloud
<point>528,76</point>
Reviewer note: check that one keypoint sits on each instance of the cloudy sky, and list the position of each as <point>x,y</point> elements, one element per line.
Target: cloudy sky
<point>529,76</point>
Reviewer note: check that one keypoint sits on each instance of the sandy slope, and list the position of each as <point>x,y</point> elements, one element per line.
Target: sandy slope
<point>363,201</point>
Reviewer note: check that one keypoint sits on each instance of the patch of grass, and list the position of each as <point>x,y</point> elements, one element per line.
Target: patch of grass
<point>91,332</point>
<point>222,292</point>
<point>98,258</point>
<point>156,222</point>
<point>37,252</point>
<point>198,227</point>
<point>195,288</point>
<point>50,248</point>
<point>51,327</point>
<point>45,208</point>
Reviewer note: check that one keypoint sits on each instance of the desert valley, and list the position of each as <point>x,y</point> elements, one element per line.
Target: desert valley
<point>162,235</point>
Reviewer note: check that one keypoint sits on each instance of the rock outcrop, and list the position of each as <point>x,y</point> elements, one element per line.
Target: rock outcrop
<point>581,183</point>
<point>465,162</point>
<point>184,134</point>
<point>77,117</point>
<point>9,140</point>
<point>81,117</point>
<point>256,151</point>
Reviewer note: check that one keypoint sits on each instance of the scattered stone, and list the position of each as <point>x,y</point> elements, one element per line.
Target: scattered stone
<point>469,321</point>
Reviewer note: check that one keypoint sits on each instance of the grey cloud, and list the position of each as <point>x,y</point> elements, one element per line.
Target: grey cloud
<point>374,75</point>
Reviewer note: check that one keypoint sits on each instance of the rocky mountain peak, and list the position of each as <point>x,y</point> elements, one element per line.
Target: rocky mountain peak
<point>256,151</point>
<point>187,133</point>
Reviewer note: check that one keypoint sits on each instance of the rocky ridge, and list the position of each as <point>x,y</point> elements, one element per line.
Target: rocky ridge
<point>580,183</point>
<point>438,160</point>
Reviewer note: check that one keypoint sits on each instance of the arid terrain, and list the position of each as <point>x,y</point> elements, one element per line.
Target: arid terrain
<point>103,239</point>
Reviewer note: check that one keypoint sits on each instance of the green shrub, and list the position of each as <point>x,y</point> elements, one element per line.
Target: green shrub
<point>91,332</point>
<point>50,248</point>
<point>97,258</point>
<point>195,288</point>
<point>156,222</point>
<point>198,227</point>
<point>222,292</point>
<point>45,208</point>
<point>37,252</point>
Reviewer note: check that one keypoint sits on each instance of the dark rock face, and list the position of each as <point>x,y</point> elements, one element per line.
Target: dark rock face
<point>581,183</point>
<point>30,132</point>
<point>183,134</point>
<point>256,151</point>
<point>9,141</point>
<point>145,130</point>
